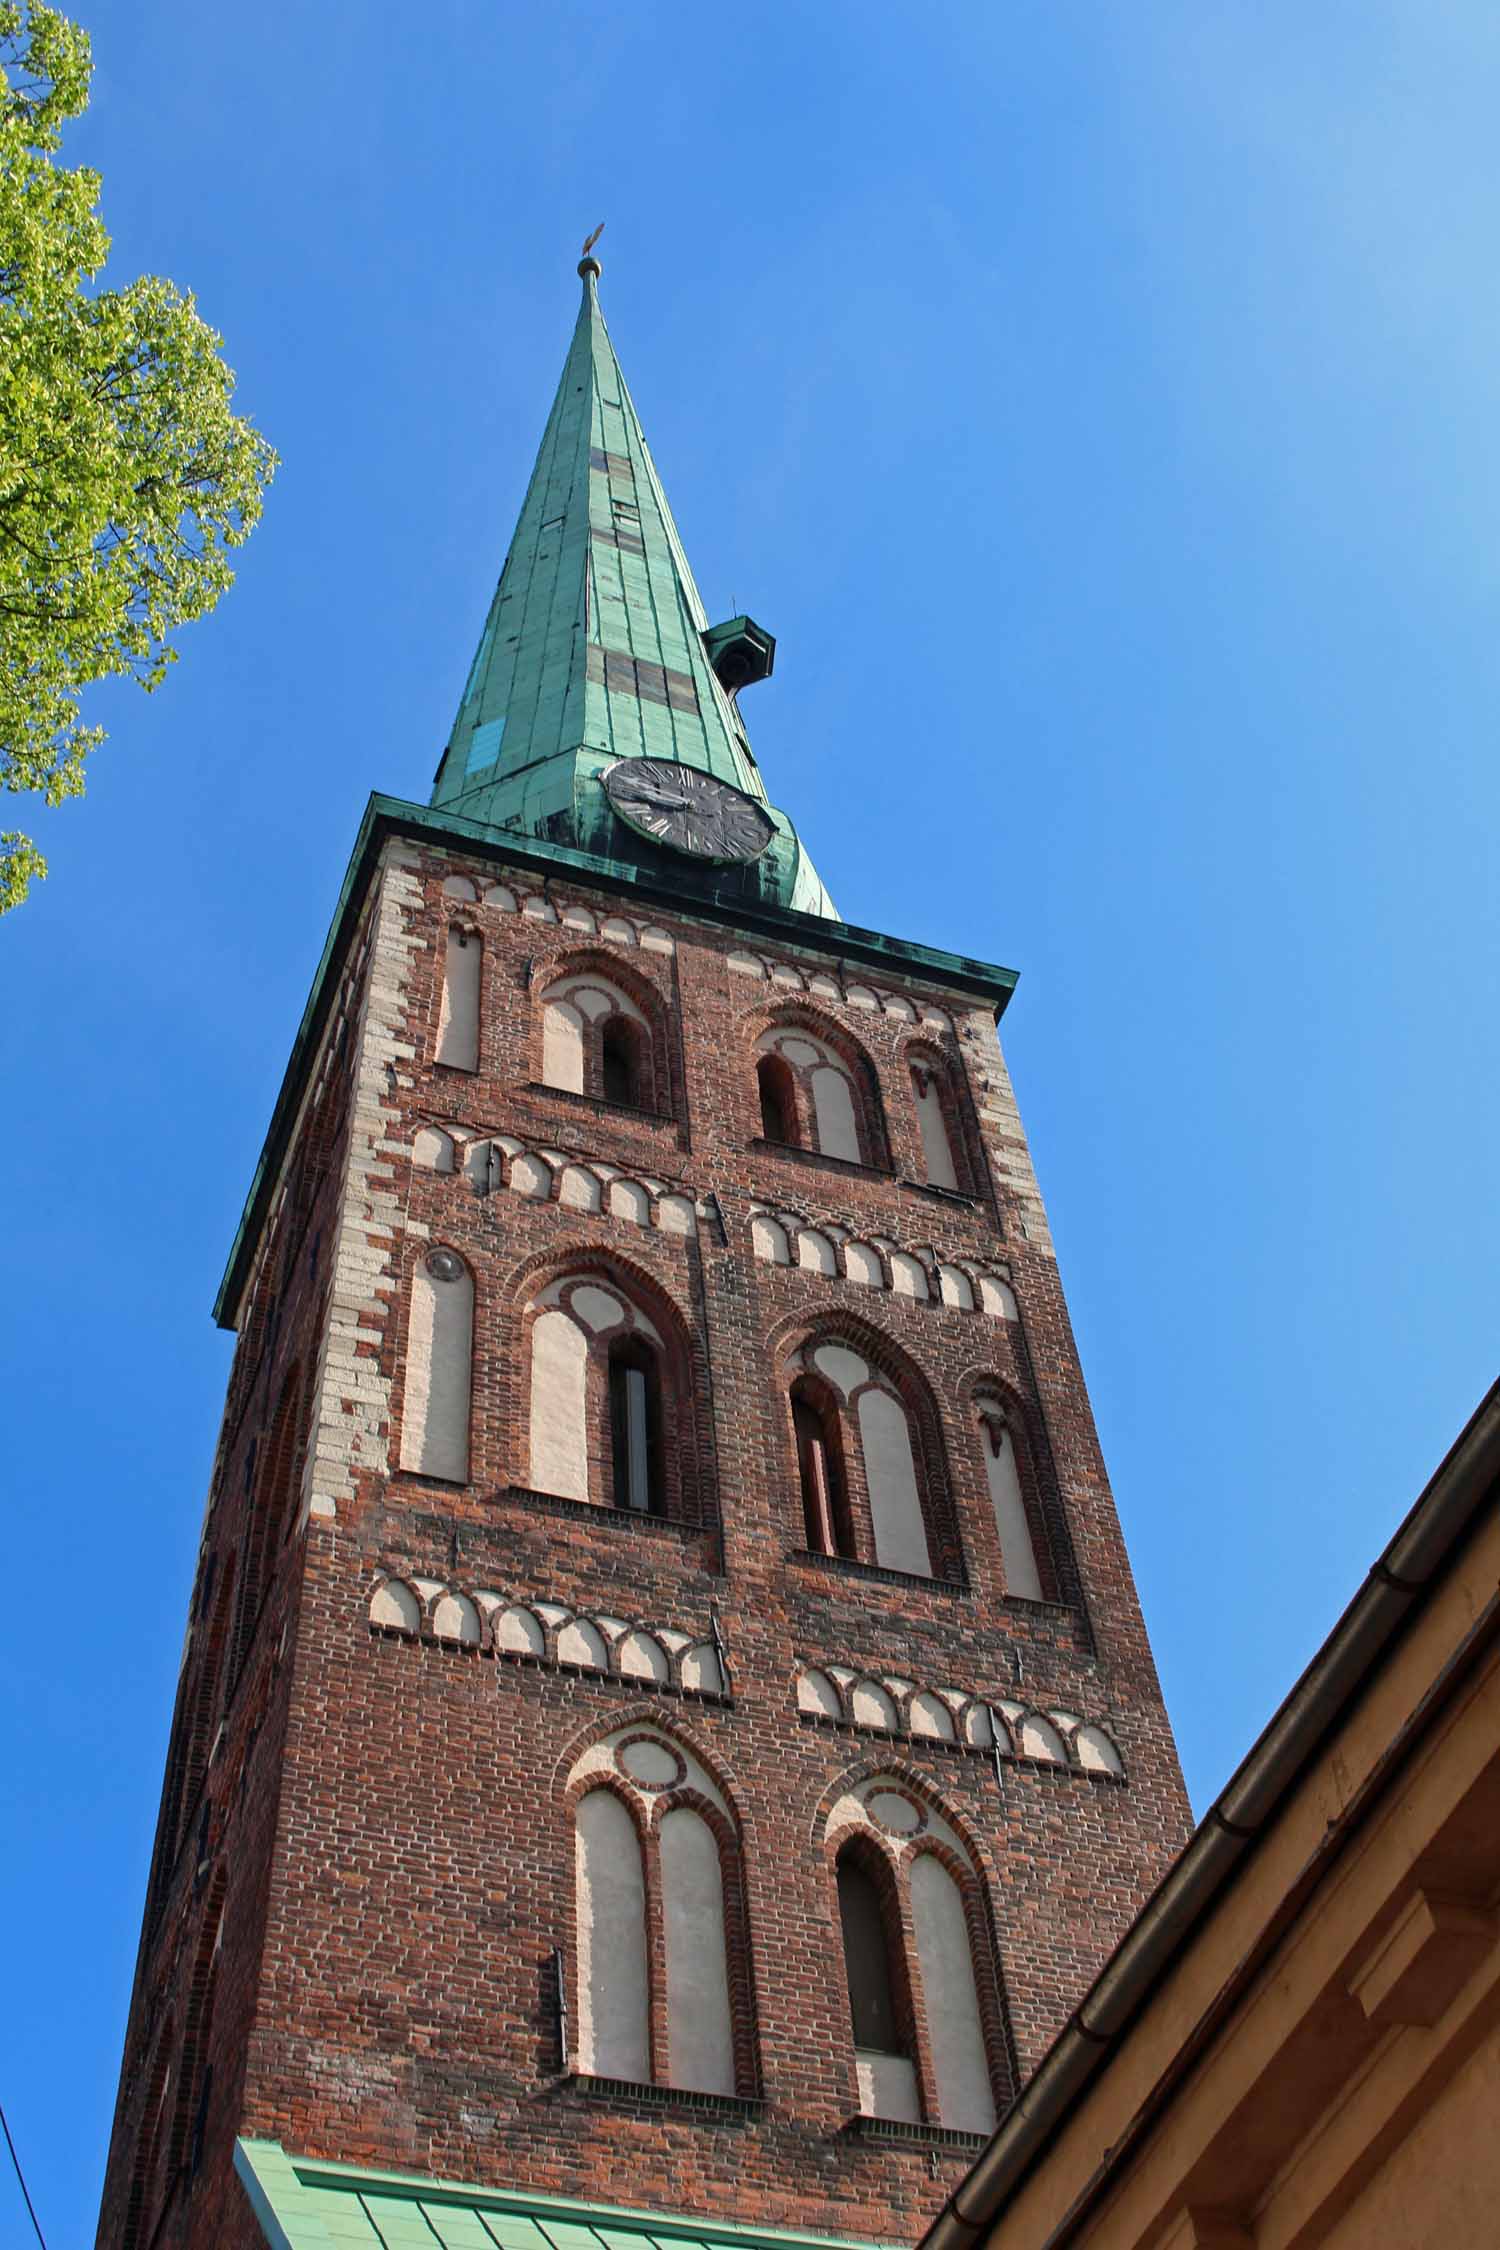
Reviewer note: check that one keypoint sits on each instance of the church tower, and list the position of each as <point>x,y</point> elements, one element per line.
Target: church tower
<point>666,1729</point>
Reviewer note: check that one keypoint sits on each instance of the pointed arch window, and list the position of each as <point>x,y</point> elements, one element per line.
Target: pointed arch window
<point>869,1485</point>
<point>916,1959</point>
<point>599,1041</point>
<point>439,1370</point>
<point>620,1062</point>
<point>867,1960</point>
<point>609,1416</point>
<point>814,1097</point>
<point>663,1983</point>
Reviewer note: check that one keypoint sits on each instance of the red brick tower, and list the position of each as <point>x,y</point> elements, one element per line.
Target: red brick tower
<point>666,1726</point>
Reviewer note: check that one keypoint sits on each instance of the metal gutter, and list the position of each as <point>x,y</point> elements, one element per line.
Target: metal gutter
<point>385,817</point>
<point>1395,1589</point>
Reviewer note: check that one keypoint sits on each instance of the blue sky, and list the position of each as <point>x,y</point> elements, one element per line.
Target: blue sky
<point>1100,405</point>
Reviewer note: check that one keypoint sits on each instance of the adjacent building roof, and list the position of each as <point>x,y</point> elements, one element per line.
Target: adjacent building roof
<point>594,648</point>
<point>306,2205</point>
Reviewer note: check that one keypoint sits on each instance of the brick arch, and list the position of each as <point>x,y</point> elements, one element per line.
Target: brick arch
<point>649,1716</point>
<point>876,1765</point>
<point>1057,1564</point>
<point>801,1332</point>
<point>921,1051</point>
<point>892,1858</point>
<point>879,1865</point>
<point>794,1014</point>
<point>647,1815</point>
<point>662,1073</point>
<point>690,1483</point>
<point>1000,2054</point>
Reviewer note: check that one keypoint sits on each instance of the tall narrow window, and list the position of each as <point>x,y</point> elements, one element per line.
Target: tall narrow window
<point>945,1958</point>
<point>778,1101</point>
<point>700,2019</point>
<point>635,1425</point>
<point>458,1022</point>
<point>620,1070</point>
<point>891,1475</point>
<point>887,2079</point>
<point>614,2009</point>
<point>439,1351</point>
<point>934,1126</point>
<point>825,1499</point>
<point>1023,1579</point>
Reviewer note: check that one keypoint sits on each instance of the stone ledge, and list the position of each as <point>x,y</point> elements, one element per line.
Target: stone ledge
<point>918,2136</point>
<point>629,2093</point>
<point>843,1566</point>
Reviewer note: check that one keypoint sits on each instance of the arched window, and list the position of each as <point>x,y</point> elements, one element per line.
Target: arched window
<point>916,1957</point>
<point>778,1101</point>
<point>656,1849</point>
<point>865,1472</point>
<point>458,1018</point>
<point>597,1040</point>
<point>879,2013</point>
<point>820,1467</point>
<point>439,1355</point>
<point>1008,1481</point>
<point>608,1419</point>
<point>938,1125</point>
<point>635,1423</point>
<point>813,1097</point>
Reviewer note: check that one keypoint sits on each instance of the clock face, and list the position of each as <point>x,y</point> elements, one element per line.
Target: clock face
<point>688,809</point>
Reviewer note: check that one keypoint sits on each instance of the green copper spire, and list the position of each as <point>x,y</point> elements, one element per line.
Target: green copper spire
<point>597,647</point>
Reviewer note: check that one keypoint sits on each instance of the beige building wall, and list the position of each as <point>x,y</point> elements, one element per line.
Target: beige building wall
<point>1299,2044</point>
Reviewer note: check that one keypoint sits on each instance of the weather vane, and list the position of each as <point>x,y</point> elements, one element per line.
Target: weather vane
<point>593,238</point>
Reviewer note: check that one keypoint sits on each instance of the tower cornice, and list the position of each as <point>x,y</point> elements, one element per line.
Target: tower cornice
<point>386,818</point>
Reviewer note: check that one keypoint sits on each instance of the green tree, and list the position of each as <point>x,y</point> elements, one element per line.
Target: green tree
<point>125,478</point>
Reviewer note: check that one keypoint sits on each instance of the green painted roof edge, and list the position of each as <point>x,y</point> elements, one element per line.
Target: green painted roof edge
<point>271,2178</point>
<point>385,817</point>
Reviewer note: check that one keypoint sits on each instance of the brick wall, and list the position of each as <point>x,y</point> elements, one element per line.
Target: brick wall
<point>390,1832</point>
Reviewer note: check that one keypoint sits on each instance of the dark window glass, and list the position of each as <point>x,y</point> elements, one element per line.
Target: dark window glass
<point>820,1468</point>
<point>635,1426</point>
<point>778,1101</point>
<point>867,1961</point>
<point>620,1060</point>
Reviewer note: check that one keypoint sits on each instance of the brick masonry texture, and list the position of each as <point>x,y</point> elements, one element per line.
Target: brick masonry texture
<point>377,1828</point>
